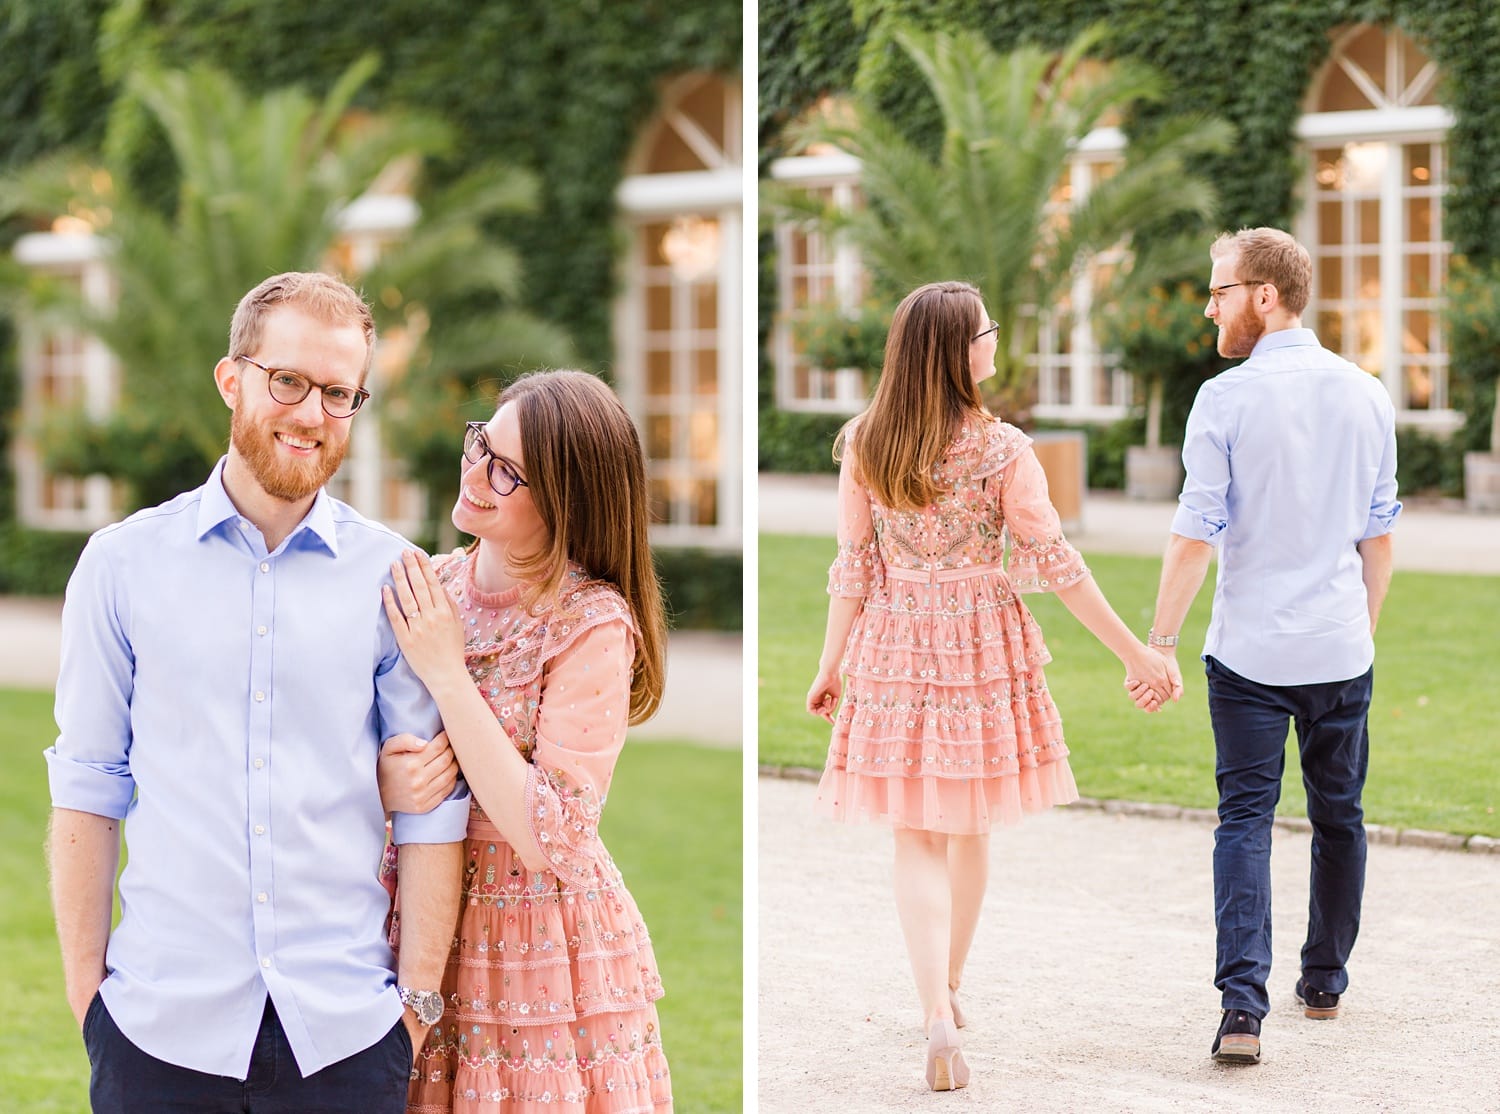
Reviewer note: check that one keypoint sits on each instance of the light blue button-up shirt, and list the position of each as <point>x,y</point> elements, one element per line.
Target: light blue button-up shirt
<point>229,704</point>
<point>1291,461</point>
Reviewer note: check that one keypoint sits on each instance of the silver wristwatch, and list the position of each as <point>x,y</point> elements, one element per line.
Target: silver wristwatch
<point>426,1004</point>
<point>1154,639</point>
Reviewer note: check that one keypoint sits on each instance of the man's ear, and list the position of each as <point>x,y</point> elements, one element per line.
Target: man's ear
<point>1268,298</point>
<point>227,379</point>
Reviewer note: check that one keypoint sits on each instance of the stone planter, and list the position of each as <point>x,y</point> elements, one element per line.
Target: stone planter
<point>1154,474</point>
<point>1064,456</point>
<point>1482,482</point>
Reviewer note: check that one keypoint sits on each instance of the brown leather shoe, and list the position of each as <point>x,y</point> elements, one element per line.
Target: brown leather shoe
<point>1238,1038</point>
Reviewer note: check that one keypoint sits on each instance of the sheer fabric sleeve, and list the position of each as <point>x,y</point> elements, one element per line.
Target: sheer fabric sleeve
<point>858,569</point>
<point>1041,559</point>
<point>580,728</point>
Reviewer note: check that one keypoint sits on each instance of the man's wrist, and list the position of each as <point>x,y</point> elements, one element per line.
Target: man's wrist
<point>1161,641</point>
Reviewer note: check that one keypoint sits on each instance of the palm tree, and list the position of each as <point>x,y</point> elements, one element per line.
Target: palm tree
<point>985,207</point>
<point>262,184</point>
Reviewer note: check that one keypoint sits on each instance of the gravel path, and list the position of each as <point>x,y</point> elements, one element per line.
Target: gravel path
<point>1090,984</point>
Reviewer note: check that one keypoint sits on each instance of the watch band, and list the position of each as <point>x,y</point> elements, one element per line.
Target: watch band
<point>1154,639</point>
<point>426,1004</point>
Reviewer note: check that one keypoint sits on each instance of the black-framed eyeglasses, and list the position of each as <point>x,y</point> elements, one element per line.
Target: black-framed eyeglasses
<point>501,473</point>
<point>1216,293</point>
<point>291,387</point>
<point>994,328</point>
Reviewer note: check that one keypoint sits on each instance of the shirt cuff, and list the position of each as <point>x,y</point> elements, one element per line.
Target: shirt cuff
<point>1382,521</point>
<point>102,788</point>
<point>447,823</point>
<point>1200,527</point>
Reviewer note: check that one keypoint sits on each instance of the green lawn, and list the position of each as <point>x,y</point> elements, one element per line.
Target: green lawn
<point>1433,723</point>
<point>673,826</point>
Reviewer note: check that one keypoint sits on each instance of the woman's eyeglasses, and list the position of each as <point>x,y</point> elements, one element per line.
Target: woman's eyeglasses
<point>501,473</point>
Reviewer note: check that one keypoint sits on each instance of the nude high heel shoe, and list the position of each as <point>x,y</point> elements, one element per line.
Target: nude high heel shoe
<point>958,1014</point>
<point>946,1070</point>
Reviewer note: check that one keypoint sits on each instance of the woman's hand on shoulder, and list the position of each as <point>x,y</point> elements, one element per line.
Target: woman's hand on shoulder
<point>425,619</point>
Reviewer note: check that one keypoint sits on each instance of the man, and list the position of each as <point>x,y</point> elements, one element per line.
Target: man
<point>227,677</point>
<point>1291,474</point>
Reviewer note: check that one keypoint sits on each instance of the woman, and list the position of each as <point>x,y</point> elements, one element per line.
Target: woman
<point>947,727</point>
<point>540,643</point>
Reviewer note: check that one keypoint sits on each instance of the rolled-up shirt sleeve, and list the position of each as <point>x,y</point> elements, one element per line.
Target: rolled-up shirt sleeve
<point>405,707</point>
<point>1203,507</point>
<point>88,767</point>
<point>1384,506</point>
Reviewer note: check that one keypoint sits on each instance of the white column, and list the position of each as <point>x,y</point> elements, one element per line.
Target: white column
<point>1392,252</point>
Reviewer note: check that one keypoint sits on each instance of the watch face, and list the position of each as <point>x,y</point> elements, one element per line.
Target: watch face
<point>426,1004</point>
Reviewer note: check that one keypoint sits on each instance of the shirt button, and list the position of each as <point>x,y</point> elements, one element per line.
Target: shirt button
<point>259,762</point>
<point>265,567</point>
<point>260,630</point>
<point>260,898</point>
<point>260,829</point>
<point>260,697</point>
<point>266,962</point>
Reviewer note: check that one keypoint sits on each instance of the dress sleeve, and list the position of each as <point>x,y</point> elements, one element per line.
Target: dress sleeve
<point>858,569</point>
<point>580,728</point>
<point>1041,559</point>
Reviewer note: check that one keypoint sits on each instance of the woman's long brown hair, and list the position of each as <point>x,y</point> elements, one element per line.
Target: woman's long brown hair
<point>587,477</point>
<point>925,391</point>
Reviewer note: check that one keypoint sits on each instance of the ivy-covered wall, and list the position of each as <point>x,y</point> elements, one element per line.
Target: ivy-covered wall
<point>1250,64</point>
<point>562,89</point>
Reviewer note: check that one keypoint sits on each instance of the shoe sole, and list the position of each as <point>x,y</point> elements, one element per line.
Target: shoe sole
<point>1318,1013</point>
<point>1238,1048</point>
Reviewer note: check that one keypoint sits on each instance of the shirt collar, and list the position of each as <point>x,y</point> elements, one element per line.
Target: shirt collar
<point>1285,338</point>
<point>216,508</point>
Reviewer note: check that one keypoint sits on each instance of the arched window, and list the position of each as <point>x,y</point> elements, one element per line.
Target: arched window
<point>1373,215</point>
<point>678,321</point>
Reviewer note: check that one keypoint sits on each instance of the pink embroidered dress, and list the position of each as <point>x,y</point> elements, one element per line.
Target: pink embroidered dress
<point>946,723</point>
<point>549,991</point>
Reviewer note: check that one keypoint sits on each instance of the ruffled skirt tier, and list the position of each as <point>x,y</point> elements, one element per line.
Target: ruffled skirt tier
<point>946,723</point>
<point>549,996</point>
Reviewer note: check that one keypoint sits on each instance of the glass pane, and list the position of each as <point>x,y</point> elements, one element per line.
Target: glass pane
<point>1331,329</point>
<point>1340,94</point>
<point>1369,221</point>
<point>1419,164</point>
<point>705,502</point>
<point>658,372</point>
<point>661,500</point>
<point>1417,339</point>
<point>1418,275</point>
<point>703,437</point>
<point>1328,172</point>
<point>1367,51</point>
<point>1330,222</point>
<point>705,107</point>
<point>1419,219</point>
<point>706,371</point>
<point>1418,386</point>
<point>1369,350</point>
<point>799,250</point>
<point>658,308</point>
<point>651,235</point>
<point>1331,277</point>
<point>660,432</point>
<point>1368,277</point>
<point>706,305</point>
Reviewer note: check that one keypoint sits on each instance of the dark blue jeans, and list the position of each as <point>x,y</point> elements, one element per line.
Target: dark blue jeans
<point>125,1080</point>
<point>1250,730</point>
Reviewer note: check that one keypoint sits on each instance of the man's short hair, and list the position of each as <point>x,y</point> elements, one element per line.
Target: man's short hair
<point>1270,255</point>
<point>324,297</point>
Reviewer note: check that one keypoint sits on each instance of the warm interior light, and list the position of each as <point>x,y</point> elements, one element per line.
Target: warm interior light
<point>691,248</point>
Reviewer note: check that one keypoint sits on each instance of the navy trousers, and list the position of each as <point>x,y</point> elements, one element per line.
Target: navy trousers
<point>125,1080</point>
<point>1250,731</point>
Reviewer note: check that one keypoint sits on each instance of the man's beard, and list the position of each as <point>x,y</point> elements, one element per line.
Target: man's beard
<point>1238,336</point>
<point>286,479</point>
